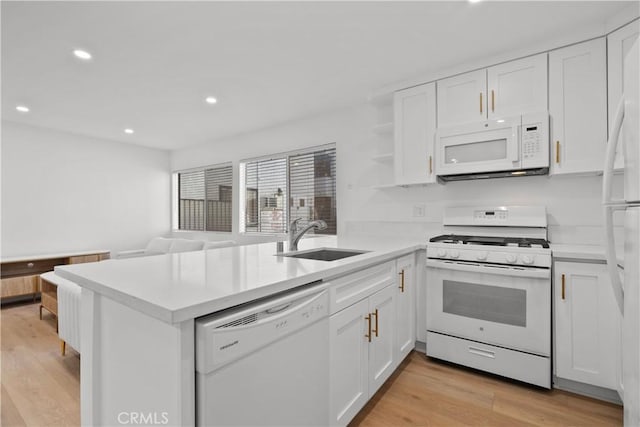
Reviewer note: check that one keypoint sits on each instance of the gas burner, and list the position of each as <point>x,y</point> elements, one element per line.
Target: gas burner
<point>521,242</point>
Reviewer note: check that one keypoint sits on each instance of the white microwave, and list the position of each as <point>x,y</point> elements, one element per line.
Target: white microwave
<point>511,146</point>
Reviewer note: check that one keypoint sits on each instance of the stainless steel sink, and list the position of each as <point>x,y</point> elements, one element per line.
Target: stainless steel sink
<point>324,254</point>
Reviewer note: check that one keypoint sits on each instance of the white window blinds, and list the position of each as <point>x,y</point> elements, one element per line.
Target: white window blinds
<point>204,199</point>
<point>300,185</point>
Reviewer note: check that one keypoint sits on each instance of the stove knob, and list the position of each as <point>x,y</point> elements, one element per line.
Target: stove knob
<point>511,258</point>
<point>527,260</point>
<point>442,253</point>
<point>454,254</point>
<point>481,256</point>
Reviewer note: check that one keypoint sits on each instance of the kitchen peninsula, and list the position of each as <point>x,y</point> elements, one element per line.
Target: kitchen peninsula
<point>138,315</point>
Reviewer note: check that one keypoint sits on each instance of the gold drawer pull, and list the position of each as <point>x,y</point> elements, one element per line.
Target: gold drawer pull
<point>557,151</point>
<point>375,313</point>
<point>480,102</point>
<point>430,165</point>
<point>368,319</point>
<point>493,101</point>
<point>401,281</point>
<point>563,287</point>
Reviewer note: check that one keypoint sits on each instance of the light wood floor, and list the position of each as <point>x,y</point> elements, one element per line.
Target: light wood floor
<point>40,387</point>
<point>427,392</point>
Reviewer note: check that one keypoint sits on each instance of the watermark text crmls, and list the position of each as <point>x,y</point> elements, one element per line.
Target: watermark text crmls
<point>143,418</point>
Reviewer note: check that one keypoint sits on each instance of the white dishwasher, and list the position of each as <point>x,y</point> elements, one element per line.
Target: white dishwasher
<point>265,363</point>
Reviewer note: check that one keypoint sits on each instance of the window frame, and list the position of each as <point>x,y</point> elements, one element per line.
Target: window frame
<point>282,155</point>
<point>175,198</point>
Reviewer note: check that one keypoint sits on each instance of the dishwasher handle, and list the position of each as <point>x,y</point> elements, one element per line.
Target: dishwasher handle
<point>222,339</point>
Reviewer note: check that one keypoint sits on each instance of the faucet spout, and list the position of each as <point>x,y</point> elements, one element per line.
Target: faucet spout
<point>295,235</point>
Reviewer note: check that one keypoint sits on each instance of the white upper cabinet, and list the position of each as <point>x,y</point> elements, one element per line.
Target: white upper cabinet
<point>578,107</point>
<point>508,89</point>
<point>618,44</point>
<point>414,126</point>
<point>463,98</point>
<point>517,87</point>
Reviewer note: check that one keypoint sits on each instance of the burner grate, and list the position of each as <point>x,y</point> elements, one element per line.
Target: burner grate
<point>521,242</point>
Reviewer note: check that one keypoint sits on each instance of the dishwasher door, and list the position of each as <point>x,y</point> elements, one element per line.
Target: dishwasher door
<point>265,364</point>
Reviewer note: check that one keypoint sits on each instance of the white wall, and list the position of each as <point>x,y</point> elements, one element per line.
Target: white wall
<point>573,203</point>
<point>64,192</point>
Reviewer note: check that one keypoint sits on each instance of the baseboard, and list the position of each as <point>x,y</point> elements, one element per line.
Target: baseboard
<point>421,347</point>
<point>588,390</point>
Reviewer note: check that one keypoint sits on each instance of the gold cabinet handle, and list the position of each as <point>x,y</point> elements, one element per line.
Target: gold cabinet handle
<point>401,281</point>
<point>557,151</point>
<point>480,102</point>
<point>375,331</point>
<point>368,319</point>
<point>430,165</point>
<point>563,286</point>
<point>493,101</point>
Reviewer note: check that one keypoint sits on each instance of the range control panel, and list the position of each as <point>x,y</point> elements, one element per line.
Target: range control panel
<point>493,215</point>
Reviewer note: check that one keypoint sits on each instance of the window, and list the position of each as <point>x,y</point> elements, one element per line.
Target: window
<point>282,188</point>
<point>204,199</point>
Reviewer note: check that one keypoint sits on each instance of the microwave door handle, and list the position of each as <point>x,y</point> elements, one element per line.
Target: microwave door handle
<point>610,157</point>
<point>515,148</point>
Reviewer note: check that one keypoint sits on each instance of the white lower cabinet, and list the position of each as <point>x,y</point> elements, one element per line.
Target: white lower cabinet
<point>363,346</point>
<point>587,325</point>
<point>405,307</point>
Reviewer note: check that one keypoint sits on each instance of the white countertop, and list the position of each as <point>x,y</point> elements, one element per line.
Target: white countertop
<point>177,287</point>
<point>584,253</point>
<point>37,257</point>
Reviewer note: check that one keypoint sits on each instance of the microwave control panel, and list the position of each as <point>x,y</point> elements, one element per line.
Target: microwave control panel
<point>531,141</point>
<point>534,140</point>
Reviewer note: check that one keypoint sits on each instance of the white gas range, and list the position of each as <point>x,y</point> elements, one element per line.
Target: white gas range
<point>489,292</point>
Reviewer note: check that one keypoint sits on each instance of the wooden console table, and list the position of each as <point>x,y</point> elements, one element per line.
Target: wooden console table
<point>20,275</point>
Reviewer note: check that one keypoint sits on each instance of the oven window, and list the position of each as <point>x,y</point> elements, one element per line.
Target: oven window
<point>495,149</point>
<point>491,303</point>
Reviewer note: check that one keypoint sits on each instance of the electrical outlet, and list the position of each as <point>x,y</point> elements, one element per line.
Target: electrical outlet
<point>418,210</point>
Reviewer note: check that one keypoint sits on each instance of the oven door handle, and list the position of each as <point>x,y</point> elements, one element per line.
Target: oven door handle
<point>536,273</point>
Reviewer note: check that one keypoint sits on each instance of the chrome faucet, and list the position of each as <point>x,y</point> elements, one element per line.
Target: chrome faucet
<point>295,235</point>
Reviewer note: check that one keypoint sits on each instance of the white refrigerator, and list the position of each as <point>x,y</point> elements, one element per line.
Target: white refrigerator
<point>625,130</point>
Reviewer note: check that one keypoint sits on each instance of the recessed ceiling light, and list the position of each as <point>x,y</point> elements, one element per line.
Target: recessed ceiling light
<point>128,131</point>
<point>475,1</point>
<point>22,108</point>
<point>211,100</point>
<point>82,54</point>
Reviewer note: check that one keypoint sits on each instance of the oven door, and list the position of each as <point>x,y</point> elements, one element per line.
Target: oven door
<point>506,306</point>
<point>483,147</point>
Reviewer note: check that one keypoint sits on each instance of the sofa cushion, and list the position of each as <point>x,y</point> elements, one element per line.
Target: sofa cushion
<point>159,245</point>
<point>218,244</point>
<point>185,245</point>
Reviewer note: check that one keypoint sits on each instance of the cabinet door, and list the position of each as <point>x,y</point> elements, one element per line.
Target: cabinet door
<point>578,107</point>
<point>414,126</point>
<point>15,286</point>
<point>349,362</point>
<point>382,306</point>
<point>405,307</point>
<point>462,99</point>
<point>517,87</point>
<point>586,324</point>
<point>618,45</point>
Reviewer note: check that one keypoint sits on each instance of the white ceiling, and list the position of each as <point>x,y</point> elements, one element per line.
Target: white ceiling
<point>267,63</point>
